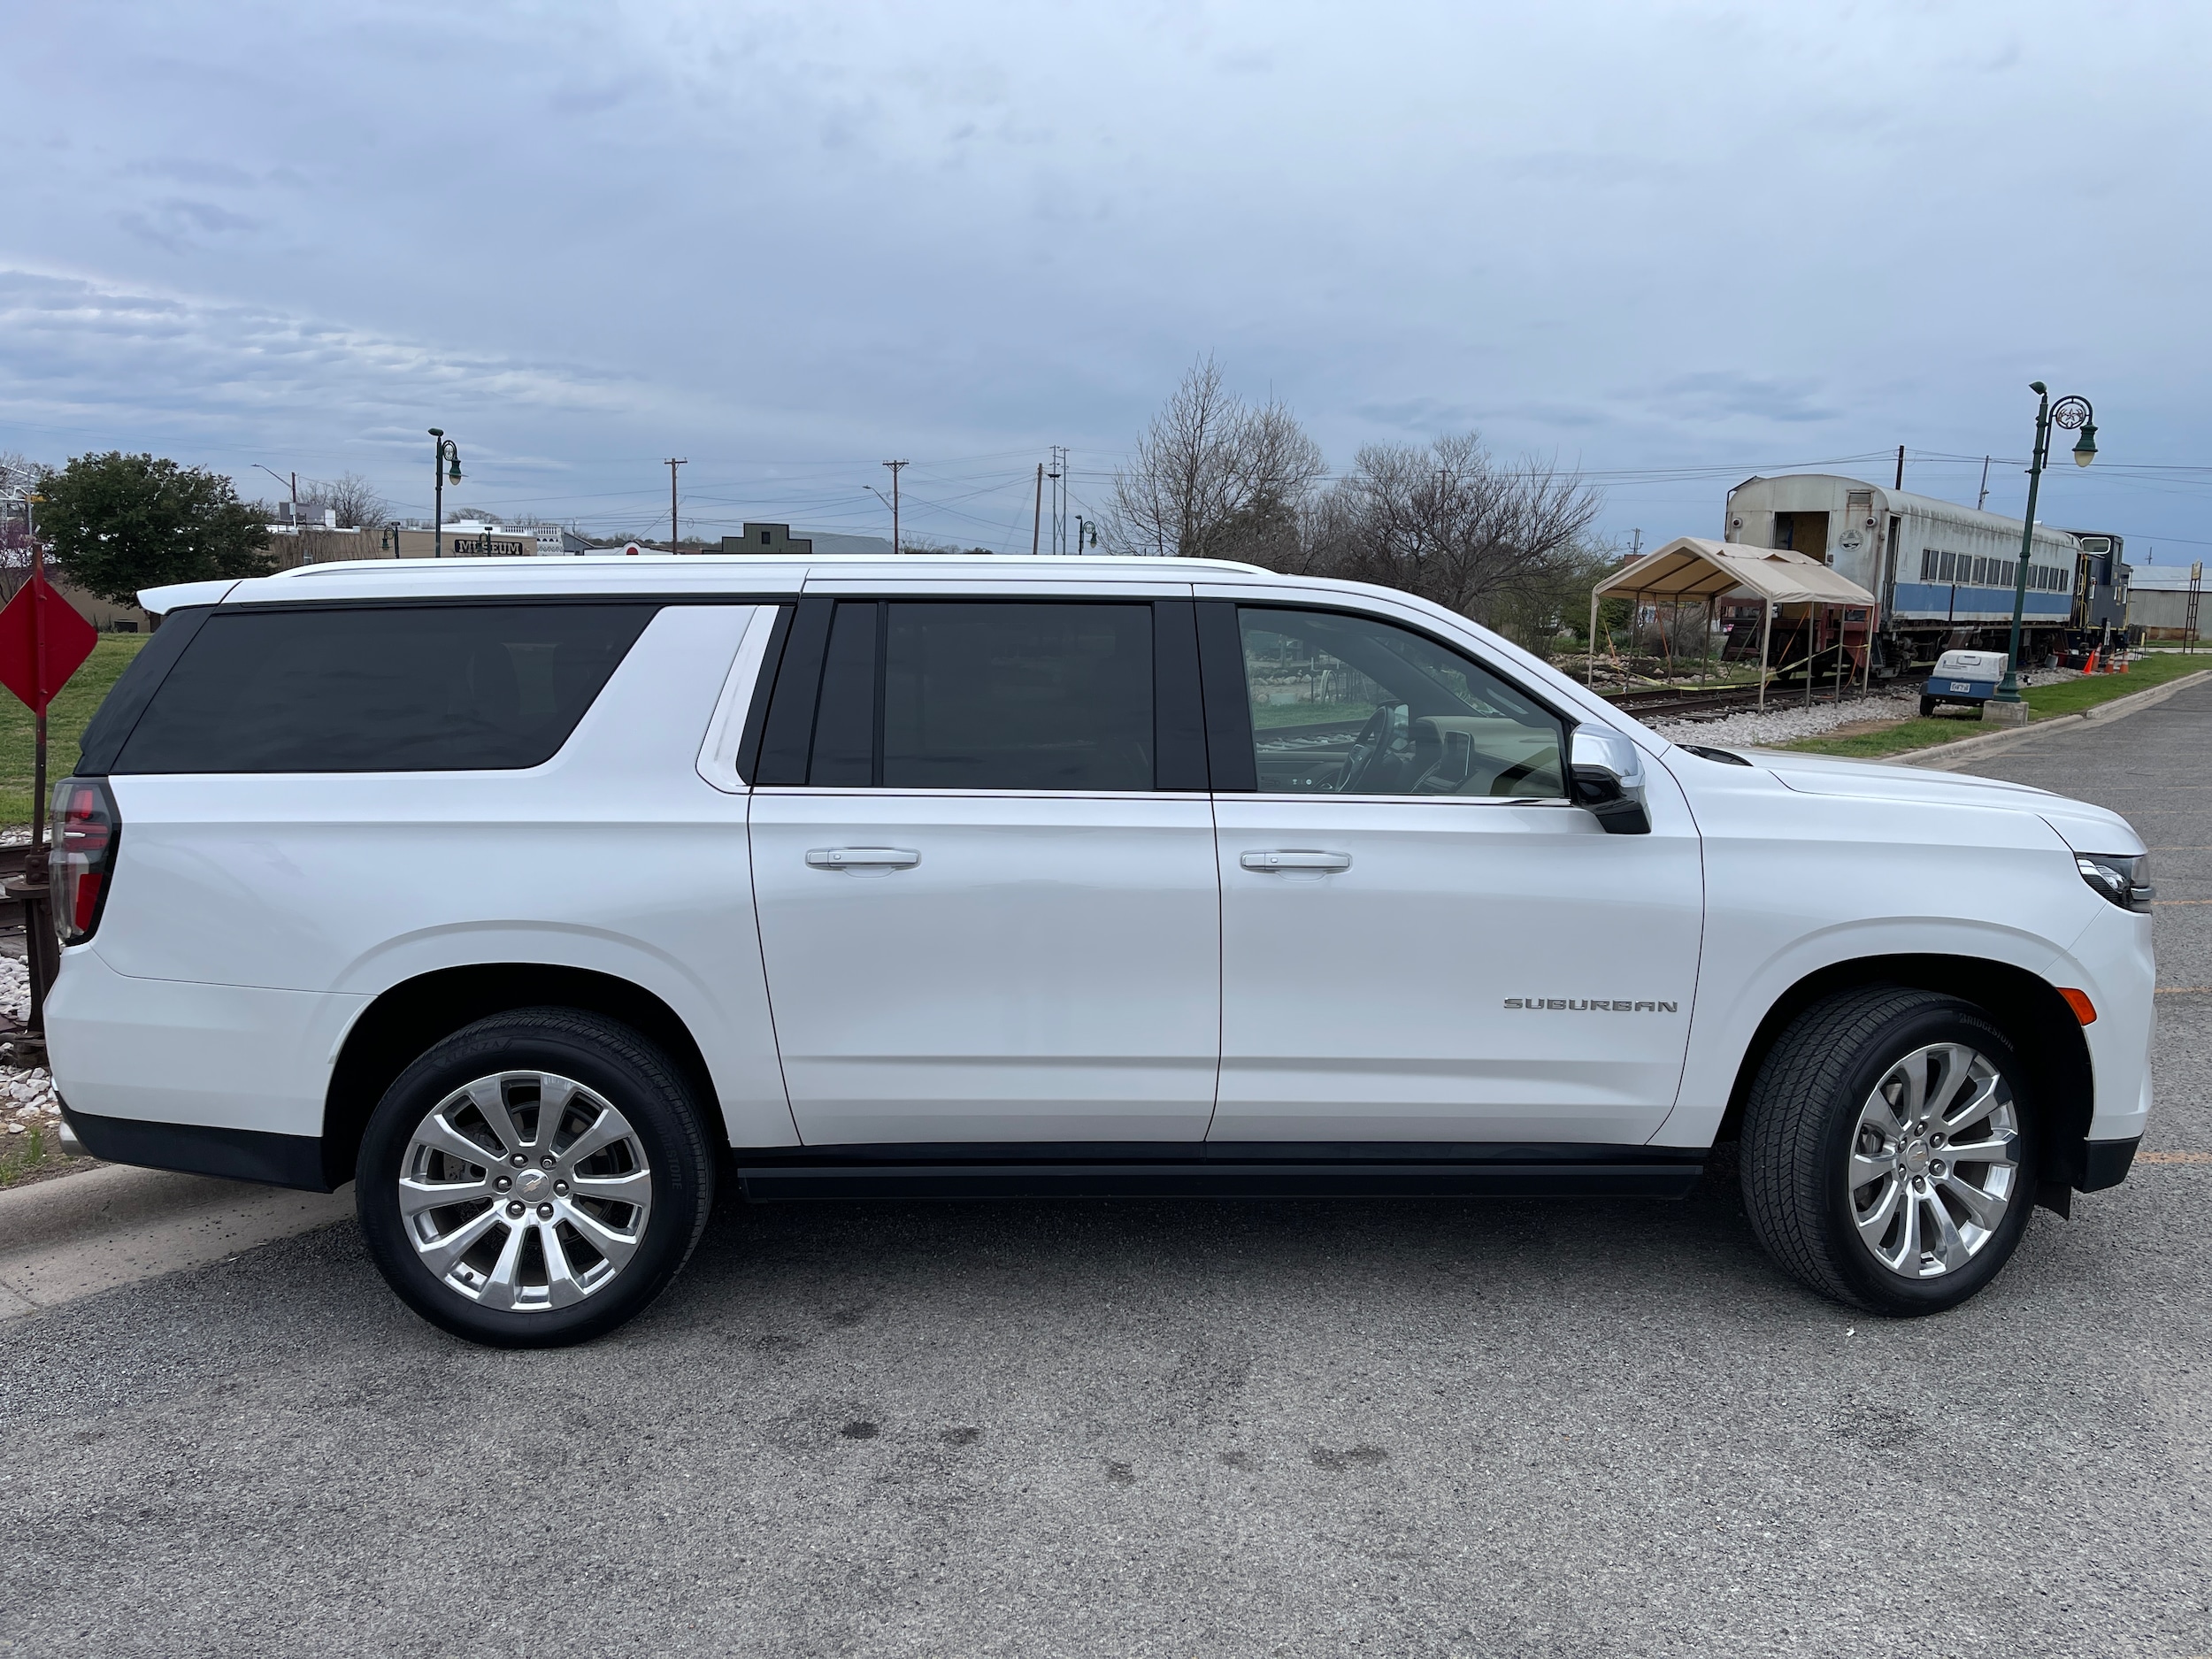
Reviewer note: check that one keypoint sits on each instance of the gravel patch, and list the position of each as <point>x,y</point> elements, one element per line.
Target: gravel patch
<point>26,1097</point>
<point>1783,721</point>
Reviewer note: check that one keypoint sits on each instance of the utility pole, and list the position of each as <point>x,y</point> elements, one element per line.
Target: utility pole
<point>1900,467</point>
<point>896,545</point>
<point>1037,514</point>
<point>1636,548</point>
<point>1982,500</point>
<point>673,463</point>
<point>1059,477</point>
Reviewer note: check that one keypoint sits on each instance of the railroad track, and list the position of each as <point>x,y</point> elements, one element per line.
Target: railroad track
<point>12,870</point>
<point>1680,703</point>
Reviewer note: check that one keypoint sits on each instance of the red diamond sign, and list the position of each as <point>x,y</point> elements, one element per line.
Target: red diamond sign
<point>42,641</point>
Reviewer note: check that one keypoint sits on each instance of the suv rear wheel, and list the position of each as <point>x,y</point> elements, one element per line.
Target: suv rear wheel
<point>1888,1153</point>
<point>534,1180</point>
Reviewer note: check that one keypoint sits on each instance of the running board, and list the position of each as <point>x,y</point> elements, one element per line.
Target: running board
<point>1223,1172</point>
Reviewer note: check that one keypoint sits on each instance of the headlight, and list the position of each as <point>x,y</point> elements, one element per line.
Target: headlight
<point>2124,878</point>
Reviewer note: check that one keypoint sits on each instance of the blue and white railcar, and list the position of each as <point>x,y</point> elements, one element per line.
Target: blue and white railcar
<point>1944,572</point>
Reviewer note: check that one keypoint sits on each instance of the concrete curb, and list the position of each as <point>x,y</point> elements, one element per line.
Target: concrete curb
<point>1950,757</point>
<point>77,1235</point>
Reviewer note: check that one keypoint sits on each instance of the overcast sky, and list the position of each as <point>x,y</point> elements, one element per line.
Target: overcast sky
<point>1671,244</point>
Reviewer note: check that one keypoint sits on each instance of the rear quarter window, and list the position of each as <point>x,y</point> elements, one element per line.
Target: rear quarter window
<point>382,688</point>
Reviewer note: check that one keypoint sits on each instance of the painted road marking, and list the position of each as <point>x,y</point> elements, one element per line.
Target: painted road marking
<point>2173,1157</point>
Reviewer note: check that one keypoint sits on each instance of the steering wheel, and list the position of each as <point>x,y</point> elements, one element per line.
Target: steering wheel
<point>1367,749</point>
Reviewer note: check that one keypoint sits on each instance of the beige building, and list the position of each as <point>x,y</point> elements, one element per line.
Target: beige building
<point>102,615</point>
<point>463,539</point>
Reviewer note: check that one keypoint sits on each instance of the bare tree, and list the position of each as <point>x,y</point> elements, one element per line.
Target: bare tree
<point>1495,543</point>
<point>351,496</point>
<point>1214,478</point>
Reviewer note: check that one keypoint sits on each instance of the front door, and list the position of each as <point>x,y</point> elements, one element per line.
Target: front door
<point>989,912</point>
<point>1421,939</point>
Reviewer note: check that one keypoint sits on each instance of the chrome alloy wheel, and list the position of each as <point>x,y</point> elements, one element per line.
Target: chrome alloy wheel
<point>525,1191</point>
<point>1935,1161</point>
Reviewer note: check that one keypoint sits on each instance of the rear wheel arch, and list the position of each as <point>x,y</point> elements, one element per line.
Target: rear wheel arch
<point>2025,1007</point>
<point>405,1020</point>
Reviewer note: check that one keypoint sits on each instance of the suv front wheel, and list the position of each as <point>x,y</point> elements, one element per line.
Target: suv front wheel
<point>1888,1150</point>
<point>534,1180</point>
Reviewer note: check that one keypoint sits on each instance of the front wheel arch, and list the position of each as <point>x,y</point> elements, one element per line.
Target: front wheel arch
<point>2026,1008</point>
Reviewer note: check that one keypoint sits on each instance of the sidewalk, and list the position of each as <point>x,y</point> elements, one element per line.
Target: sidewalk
<point>77,1235</point>
<point>1951,757</point>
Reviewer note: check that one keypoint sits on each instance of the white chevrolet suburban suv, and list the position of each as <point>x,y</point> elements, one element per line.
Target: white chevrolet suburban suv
<point>541,898</point>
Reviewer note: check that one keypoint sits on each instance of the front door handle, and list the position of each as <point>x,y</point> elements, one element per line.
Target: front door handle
<point>862,858</point>
<point>1293,859</point>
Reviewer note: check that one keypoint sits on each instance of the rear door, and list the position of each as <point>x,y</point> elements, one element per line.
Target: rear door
<point>1423,939</point>
<point>983,858</point>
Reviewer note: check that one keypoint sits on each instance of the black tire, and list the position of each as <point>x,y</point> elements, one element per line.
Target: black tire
<point>1800,1127</point>
<point>1927,707</point>
<point>627,1072</point>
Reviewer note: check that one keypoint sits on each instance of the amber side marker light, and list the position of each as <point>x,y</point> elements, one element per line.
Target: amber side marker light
<point>2084,1011</point>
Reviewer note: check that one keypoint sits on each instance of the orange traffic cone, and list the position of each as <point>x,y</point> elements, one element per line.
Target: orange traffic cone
<point>2090,667</point>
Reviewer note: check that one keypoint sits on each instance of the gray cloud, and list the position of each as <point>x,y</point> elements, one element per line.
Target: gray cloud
<point>789,239</point>
<point>178,224</point>
<point>1721,394</point>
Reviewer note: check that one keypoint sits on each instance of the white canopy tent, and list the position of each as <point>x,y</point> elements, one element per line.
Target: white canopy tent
<point>1689,568</point>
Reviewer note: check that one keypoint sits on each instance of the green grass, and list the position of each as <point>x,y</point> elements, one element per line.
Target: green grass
<point>1895,739</point>
<point>65,724</point>
<point>2045,703</point>
<point>30,1152</point>
<point>2091,689</point>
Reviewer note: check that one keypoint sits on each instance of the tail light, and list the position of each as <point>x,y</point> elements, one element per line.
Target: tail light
<point>87,827</point>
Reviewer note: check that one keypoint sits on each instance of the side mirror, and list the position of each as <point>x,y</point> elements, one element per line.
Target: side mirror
<point>1609,779</point>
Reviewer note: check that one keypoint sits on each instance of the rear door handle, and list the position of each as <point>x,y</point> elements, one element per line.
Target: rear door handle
<point>1292,859</point>
<point>863,857</point>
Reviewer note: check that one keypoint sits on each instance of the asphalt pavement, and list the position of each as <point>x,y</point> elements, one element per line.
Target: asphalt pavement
<point>1188,1428</point>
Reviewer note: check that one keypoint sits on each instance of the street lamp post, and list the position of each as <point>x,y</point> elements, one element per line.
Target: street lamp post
<point>443,453</point>
<point>273,472</point>
<point>2069,413</point>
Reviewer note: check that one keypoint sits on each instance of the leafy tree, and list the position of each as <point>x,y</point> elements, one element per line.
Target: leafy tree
<point>116,523</point>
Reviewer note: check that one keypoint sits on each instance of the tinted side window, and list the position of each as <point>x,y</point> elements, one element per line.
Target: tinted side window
<point>844,749</point>
<point>403,688</point>
<point>1352,705</point>
<point>1022,694</point>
